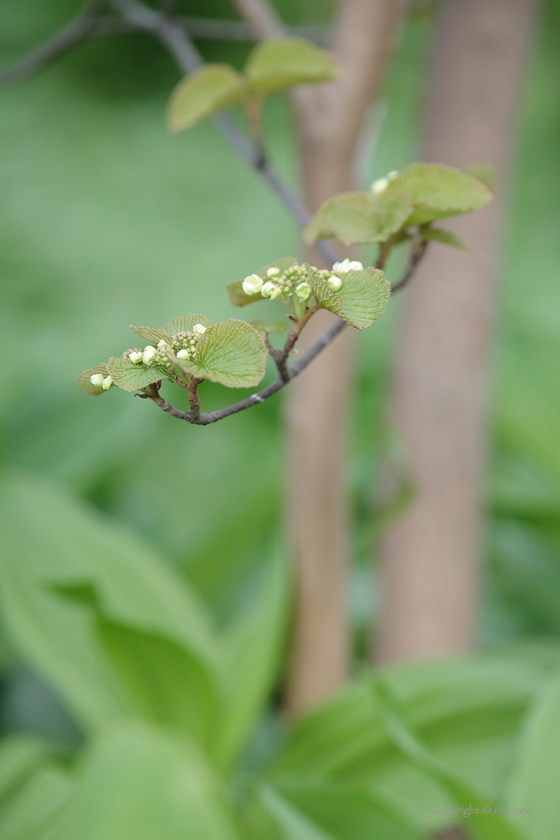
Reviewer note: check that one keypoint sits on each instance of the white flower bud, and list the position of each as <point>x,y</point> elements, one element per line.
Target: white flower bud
<point>107,383</point>
<point>392,175</point>
<point>334,282</point>
<point>199,329</point>
<point>271,291</point>
<point>380,185</point>
<point>347,265</point>
<point>161,343</point>
<point>148,354</point>
<point>304,291</point>
<point>183,354</point>
<point>97,380</point>
<point>272,272</point>
<point>252,284</point>
<point>135,357</point>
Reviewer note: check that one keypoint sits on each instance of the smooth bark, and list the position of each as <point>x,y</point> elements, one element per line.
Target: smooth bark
<point>430,560</point>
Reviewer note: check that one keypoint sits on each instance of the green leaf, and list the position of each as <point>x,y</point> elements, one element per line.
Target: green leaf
<point>139,783</point>
<point>198,96</point>
<point>354,218</point>
<point>483,172</point>
<point>489,825</point>
<point>437,191</point>
<point>36,811</point>
<point>467,713</point>
<point>252,651</point>
<point>238,297</point>
<point>431,234</point>
<point>321,810</point>
<point>535,780</point>
<point>151,334</point>
<point>231,353</point>
<point>50,543</point>
<point>20,758</point>
<point>293,61</point>
<point>184,323</point>
<point>131,377</point>
<point>360,301</point>
<point>84,380</point>
<point>277,328</point>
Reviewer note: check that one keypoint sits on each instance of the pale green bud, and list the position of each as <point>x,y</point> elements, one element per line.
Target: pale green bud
<point>97,380</point>
<point>252,284</point>
<point>199,329</point>
<point>272,272</point>
<point>334,282</point>
<point>270,290</point>
<point>135,357</point>
<point>379,186</point>
<point>107,383</point>
<point>148,354</point>
<point>183,354</point>
<point>303,291</point>
<point>392,175</point>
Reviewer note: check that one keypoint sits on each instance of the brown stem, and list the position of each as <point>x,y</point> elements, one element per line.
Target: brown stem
<point>194,398</point>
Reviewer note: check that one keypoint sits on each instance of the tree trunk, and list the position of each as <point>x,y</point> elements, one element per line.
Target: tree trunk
<point>329,120</point>
<point>430,558</point>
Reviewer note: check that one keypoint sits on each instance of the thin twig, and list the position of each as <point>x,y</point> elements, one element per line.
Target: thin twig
<point>62,42</point>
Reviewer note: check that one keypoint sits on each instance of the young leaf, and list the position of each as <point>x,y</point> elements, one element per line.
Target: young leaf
<point>151,334</point>
<point>437,191</point>
<point>132,377</point>
<point>210,89</point>
<point>85,383</point>
<point>231,353</point>
<point>430,234</point>
<point>483,172</point>
<point>354,218</point>
<point>238,297</point>
<point>361,299</point>
<point>277,328</point>
<point>184,323</point>
<point>293,61</point>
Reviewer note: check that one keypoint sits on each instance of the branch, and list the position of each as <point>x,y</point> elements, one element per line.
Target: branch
<point>262,19</point>
<point>48,52</point>
<point>171,33</point>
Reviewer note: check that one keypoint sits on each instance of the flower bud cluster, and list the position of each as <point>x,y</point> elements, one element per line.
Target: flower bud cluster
<point>183,345</point>
<point>101,381</point>
<point>293,284</point>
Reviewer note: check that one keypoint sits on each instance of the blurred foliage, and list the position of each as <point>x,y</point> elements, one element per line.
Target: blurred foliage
<point>105,219</point>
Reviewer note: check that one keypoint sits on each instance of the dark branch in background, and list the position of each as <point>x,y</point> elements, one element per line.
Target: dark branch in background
<point>418,252</point>
<point>170,30</point>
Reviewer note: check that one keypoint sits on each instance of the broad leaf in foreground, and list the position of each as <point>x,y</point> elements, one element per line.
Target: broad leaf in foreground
<point>292,61</point>
<point>356,218</point>
<point>210,89</point>
<point>437,191</point>
<point>360,301</point>
<point>231,353</point>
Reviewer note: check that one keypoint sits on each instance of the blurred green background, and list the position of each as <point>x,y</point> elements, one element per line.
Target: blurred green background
<point>107,220</point>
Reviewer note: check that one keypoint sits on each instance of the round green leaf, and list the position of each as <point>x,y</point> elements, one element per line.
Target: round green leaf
<point>210,89</point>
<point>360,301</point>
<point>293,61</point>
<point>85,384</point>
<point>231,353</point>
<point>437,191</point>
<point>131,377</point>
<point>184,323</point>
<point>354,218</point>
